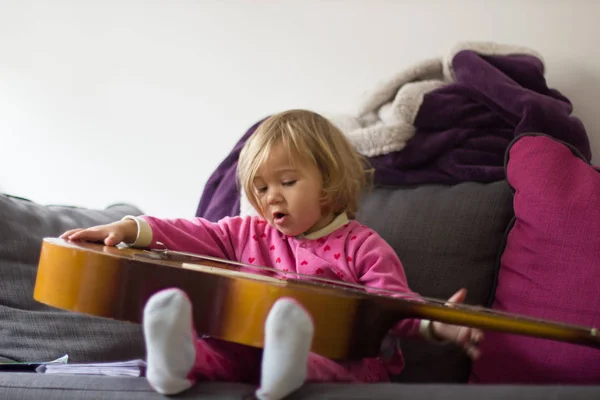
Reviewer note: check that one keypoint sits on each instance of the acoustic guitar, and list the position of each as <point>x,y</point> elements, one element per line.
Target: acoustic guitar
<point>231,300</point>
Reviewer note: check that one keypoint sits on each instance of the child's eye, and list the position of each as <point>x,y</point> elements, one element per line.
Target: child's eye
<point>289,183</point>
<point>261,189</point>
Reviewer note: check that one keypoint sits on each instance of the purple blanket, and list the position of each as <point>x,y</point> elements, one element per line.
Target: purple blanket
<point>462,129</point>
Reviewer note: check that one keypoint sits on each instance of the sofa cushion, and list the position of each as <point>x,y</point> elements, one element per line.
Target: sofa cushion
<point>31,331</point>
<point>447,237</point>
<point>550,267</point>
<point>33,386</point>
<point>27,386</point>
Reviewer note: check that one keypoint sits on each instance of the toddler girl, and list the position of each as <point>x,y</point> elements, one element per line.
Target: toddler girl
<point>304,179</point>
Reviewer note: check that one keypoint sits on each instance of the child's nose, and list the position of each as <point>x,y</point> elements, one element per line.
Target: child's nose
<point>274,197</point>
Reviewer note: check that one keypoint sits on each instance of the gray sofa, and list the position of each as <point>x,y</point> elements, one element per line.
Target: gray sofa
<point>447,237</point>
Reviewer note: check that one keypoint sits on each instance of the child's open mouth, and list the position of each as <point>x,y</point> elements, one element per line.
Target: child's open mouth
<point>279,217</point>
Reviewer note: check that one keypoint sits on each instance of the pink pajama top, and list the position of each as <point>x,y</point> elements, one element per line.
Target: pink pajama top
<point>344,250</point>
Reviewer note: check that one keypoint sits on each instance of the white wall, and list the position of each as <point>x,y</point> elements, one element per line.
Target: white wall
<point>138,101</point>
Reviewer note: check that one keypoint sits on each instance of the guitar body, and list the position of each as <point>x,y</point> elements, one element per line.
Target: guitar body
<point>232,304</point>
<point>227,304</point>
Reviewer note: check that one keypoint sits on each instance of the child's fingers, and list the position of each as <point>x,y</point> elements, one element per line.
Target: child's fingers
<point>473,352</point>
<point>471,344</point>
<point>477,336</point>
<point>69,233</point>
<point>91,235</point>
<point>112,239</point>
<point>458,297</point>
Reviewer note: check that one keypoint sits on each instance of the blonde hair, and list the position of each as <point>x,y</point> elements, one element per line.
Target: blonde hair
<point>308,138</point>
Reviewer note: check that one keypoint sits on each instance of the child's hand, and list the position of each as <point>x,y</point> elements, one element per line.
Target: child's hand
<point>466,337</point>
<point>111,234</point>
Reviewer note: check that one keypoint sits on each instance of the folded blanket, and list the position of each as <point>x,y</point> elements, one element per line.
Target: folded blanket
<point>450,120</point>
<point>444,121</point>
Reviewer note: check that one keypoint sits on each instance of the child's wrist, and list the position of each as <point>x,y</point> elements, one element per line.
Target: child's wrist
<point>130,229</point>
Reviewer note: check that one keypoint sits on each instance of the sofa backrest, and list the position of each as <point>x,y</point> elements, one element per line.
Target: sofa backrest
<point>31,331</point>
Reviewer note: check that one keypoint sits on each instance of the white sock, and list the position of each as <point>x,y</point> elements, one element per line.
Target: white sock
<point>168,333</point>
<point>288,337</point>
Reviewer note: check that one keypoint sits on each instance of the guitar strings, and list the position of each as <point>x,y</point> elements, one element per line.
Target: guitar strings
<point>365,289</point>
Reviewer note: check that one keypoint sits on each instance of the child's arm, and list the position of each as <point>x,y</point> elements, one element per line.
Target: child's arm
<point>197,235</point>
<point>378,266</point>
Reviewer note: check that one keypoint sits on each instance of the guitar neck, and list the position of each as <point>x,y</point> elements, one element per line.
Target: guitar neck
<point>494,321</point>
<point>481,318</point>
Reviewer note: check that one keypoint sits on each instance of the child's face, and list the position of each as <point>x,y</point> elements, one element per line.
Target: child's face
<point>289,196</point>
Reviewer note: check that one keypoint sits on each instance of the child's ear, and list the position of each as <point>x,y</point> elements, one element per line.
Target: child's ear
<point>326,206</point>
<point>323,199</point>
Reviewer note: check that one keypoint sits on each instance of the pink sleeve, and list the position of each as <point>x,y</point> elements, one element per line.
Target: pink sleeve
<point>223,239</point>
<point>378,266</point>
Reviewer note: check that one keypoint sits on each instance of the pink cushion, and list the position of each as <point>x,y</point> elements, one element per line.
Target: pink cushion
<point>550,267</point>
